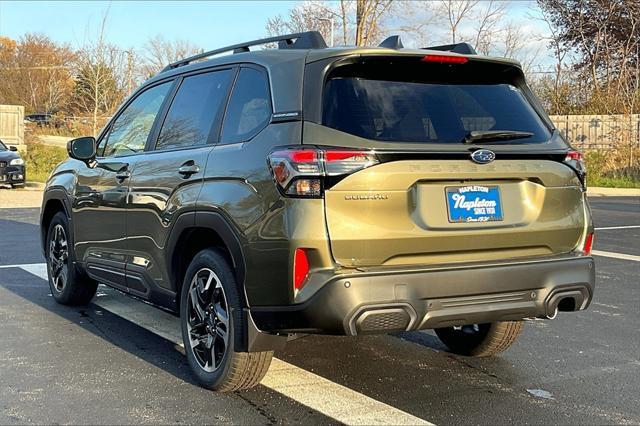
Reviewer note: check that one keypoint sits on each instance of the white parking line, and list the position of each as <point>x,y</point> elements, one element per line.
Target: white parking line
<point>322,395</point>
<point>616,255</point>
<point>607,228</point>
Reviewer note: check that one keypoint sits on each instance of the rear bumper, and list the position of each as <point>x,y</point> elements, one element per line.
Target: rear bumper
<point>382,301</point>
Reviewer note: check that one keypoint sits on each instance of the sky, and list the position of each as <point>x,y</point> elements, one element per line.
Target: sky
<point>130,24</point>
<point>207,24</point>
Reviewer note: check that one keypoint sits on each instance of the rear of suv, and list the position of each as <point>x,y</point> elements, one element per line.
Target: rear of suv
<point>270,194</point>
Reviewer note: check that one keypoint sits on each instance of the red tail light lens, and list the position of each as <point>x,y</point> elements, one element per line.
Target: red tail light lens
<point>573,156</point>
<point>300,171</point>
<point>574,159</point>
<point>445,59</point>
<point>588,245</point>
<point>300,268</point>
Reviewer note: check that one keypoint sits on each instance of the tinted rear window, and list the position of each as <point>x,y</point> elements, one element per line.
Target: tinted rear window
<point>409,111</point>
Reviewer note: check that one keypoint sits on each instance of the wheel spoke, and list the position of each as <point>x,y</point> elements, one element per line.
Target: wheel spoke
<point>221,314</point>
<point>222,334</point>
<point>195,302</point>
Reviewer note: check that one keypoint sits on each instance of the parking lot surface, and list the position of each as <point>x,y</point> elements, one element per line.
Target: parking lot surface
<point>94,365</point>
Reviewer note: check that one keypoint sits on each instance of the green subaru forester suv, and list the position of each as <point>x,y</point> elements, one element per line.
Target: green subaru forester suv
<point>263,195</point>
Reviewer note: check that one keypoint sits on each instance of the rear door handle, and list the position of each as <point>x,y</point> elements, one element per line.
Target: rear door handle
<point>188,169</point>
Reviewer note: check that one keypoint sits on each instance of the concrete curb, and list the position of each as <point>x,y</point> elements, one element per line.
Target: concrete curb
<point>613,192</point>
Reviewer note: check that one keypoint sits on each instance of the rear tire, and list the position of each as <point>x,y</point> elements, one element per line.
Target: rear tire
<point>211,318</point>
<point>480,340</point>
<point>68,285</point>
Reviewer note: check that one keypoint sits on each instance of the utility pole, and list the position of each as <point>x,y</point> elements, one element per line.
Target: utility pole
<point>330,20</point>
<point>129,71</point>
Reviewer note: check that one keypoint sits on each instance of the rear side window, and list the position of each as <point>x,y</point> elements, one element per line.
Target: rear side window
<point>194,110</point>
<point>249,109</point>
<point>436,112</point>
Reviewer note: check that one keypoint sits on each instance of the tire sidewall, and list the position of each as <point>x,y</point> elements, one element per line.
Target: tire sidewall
<point>65,296</point>
<point>213,260</point>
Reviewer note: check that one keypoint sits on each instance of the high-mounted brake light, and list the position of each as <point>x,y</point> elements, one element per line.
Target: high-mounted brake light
<point>445,59</point>
<point>300,268</point>
<point>300,172</point>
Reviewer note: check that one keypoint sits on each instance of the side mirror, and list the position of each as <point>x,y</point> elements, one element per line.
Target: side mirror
<point>13,148</point>
<point>83,149</point>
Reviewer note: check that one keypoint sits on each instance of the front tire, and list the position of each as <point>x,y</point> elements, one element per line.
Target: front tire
<point>68,285</point>
<point>480,340</point>
<point>211,318</point>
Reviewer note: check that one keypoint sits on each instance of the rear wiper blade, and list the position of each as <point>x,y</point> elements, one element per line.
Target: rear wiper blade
<point>494,135</point>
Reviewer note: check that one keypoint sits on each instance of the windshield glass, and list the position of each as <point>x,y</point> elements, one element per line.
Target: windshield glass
<point>3,147</point>
<point>409,111</point>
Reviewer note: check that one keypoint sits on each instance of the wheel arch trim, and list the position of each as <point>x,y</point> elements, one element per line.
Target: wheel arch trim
<point>217,223</point>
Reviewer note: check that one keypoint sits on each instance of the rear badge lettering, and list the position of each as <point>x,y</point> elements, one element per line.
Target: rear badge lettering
<point>366,197</point>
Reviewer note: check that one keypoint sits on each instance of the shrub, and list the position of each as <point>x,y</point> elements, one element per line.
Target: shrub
<point>40,159</point>
<point>613,168</point>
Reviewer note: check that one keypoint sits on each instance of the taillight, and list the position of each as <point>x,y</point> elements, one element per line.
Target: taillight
<point>445,59</point>
<point>301,172</point>
<point>575,160</point>
<point>588,245</point>
<point>300,268</point>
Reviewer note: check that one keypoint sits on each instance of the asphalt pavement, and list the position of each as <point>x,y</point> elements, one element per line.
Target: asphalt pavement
<point>94,365</point>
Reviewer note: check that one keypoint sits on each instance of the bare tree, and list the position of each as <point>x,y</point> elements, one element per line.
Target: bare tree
<point>487,28</point>
<point>158,52</point>
<point>359,21</point>
<point>308,16</point>
<point>98,89</point>
<point>455,12</point>
<point>369,14</point>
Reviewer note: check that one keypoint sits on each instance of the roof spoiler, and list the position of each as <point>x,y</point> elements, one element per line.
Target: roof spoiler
<point>394,42</point>
<point>463,48</point>
<point>305,40</point>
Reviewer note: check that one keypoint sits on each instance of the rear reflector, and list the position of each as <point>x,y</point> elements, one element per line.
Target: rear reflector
<point>588,245</point>
<point>445,59</point>
<point>300,268</point>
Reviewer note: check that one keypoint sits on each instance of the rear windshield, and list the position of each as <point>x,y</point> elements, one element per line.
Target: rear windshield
<point>409,111</point>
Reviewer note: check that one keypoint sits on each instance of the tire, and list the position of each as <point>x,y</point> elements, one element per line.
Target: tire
<point>208,331</point>
<point>68,285</point>
<point>480,340</point>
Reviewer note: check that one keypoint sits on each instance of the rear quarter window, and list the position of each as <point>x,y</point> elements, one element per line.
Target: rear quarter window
<point>249,109</point>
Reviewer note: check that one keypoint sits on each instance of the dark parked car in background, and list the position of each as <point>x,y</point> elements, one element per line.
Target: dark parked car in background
<point>39,119</point>
<point>12,169</point>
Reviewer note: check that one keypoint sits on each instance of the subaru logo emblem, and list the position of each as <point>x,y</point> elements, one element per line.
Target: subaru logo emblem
<point>483,156</point>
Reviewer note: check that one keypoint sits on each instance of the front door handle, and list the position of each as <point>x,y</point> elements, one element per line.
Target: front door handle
<point>123,175</point>
<point>188,169</point>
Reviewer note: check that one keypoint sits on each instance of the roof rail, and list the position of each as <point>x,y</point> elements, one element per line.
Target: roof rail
<point>305,40</point>
<point>463,48</point>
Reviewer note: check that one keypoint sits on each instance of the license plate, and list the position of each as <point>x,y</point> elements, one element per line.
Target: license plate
<point>473,203</point>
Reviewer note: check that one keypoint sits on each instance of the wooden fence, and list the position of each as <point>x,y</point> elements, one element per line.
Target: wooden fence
<point>12,124</point>
<point>587,132</point>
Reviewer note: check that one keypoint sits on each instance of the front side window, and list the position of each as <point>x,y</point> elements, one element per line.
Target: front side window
<point>249,109</point>
<point>194,110</point>
<point>129,132</point>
